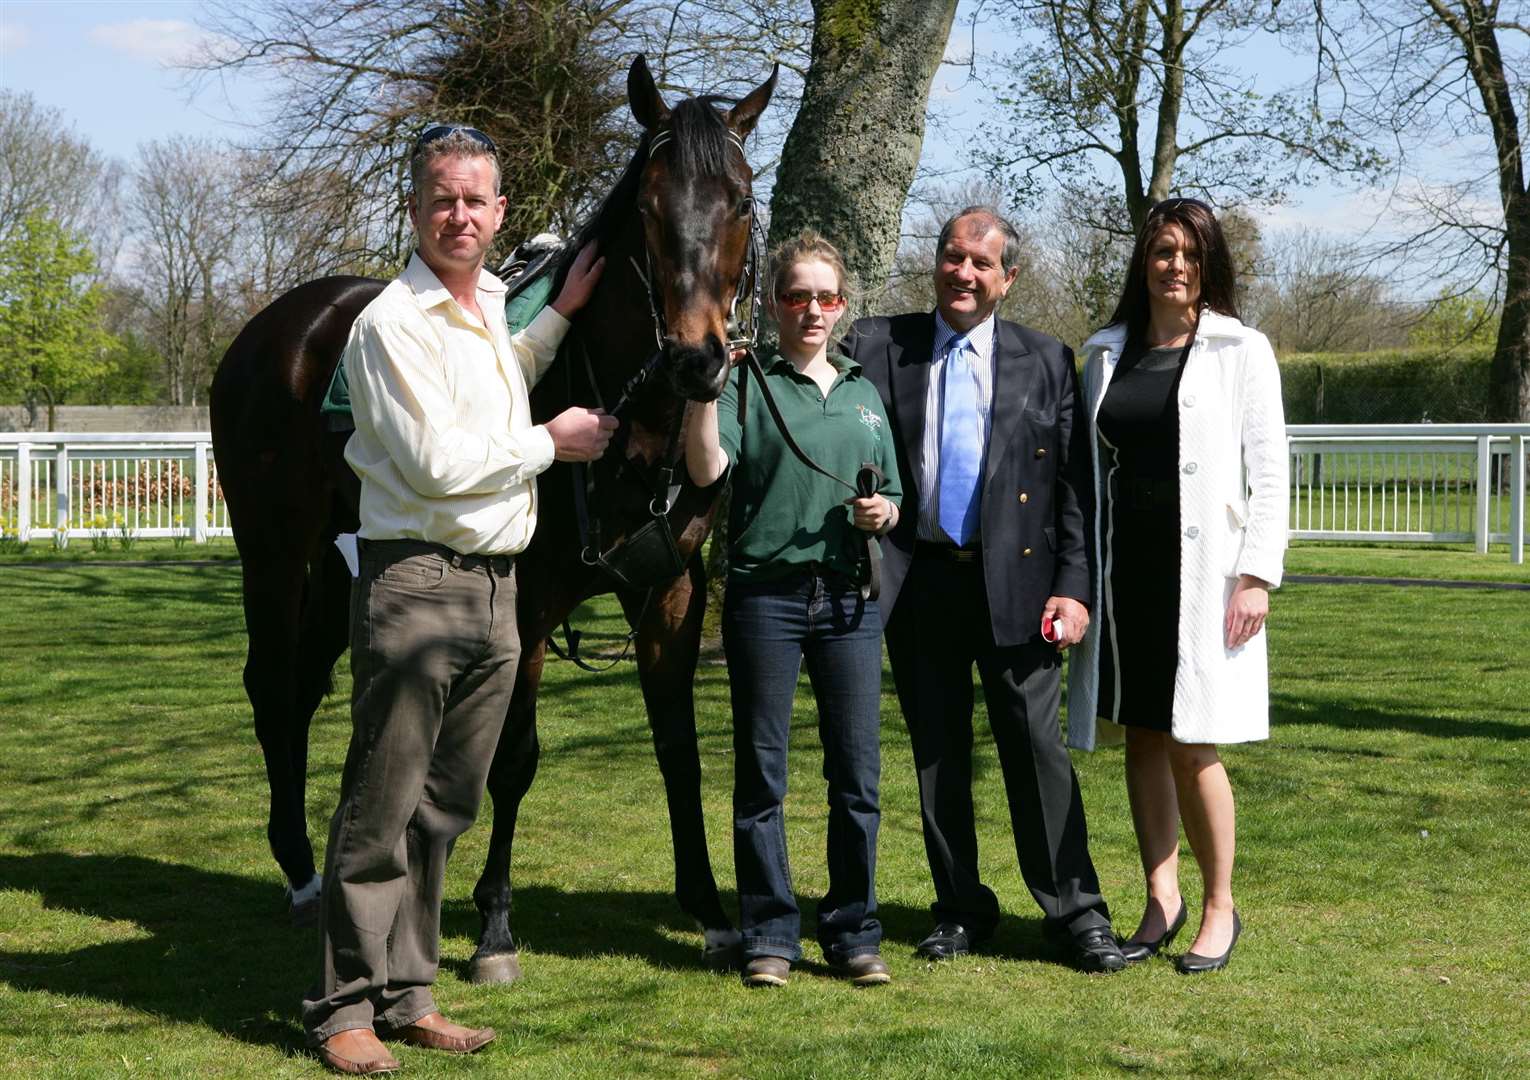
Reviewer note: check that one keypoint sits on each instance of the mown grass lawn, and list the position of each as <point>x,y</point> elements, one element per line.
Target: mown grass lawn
<point>1384,840</point>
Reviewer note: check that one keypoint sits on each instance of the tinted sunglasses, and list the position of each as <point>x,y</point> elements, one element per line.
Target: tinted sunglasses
<point>797,299</point>
<point>441,131</point>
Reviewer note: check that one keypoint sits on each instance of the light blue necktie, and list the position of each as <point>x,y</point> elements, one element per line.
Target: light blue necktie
<point>961,446</point>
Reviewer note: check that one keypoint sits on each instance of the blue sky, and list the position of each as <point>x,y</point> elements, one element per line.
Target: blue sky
<point>105,64</point>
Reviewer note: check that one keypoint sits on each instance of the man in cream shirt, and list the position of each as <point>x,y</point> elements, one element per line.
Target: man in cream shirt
<point>448,459</point>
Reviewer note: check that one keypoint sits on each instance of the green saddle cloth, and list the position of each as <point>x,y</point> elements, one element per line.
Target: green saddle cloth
<point>524,306</point>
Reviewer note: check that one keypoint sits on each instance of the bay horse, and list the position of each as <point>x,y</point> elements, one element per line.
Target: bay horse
<point>678,234</point>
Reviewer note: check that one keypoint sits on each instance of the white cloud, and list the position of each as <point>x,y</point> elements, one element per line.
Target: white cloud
<point>164,41</point>
<point>12,37</point>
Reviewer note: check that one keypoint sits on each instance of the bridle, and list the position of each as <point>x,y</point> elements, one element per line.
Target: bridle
<point>741,334</point>
<point>651,546</point>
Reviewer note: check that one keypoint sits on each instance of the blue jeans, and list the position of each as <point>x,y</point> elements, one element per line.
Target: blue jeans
<point>769,628</point>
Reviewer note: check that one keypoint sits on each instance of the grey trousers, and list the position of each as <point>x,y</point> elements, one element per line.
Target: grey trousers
<point>434,651</point>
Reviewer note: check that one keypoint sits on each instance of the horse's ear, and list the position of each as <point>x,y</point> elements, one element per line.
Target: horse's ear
<point>647,105</point>
<point>743,116</point>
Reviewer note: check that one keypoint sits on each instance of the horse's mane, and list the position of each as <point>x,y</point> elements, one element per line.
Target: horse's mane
<point>699,147</point>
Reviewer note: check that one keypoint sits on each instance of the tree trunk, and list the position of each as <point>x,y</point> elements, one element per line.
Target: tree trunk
<point>852,151</point>
<point>1509,382</point>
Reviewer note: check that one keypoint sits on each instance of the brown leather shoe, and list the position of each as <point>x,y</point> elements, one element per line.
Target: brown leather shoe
<point>356,1052</point>
<point>766,971</point>
<point>435,1032</point>
<point>867,969</point>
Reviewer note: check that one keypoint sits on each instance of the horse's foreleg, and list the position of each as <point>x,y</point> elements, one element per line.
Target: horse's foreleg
<point>669,644</point>
<point>510,776</point>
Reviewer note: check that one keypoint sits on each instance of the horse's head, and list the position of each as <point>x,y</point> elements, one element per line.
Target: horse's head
<point>697,206</point>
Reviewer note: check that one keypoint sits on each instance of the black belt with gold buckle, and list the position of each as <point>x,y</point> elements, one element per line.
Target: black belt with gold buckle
<point>929,549</point>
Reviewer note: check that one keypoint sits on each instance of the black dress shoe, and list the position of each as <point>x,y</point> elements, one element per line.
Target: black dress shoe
<point>1137,951</point>
<point>1196,964</point>
<point>948,939</point>
<point>1095,951</point>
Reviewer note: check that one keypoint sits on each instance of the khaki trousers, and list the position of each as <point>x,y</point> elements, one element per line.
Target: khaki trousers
<point>434,651</point>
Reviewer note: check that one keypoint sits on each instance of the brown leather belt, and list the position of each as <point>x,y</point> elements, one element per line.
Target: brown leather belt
<point>929,549</point>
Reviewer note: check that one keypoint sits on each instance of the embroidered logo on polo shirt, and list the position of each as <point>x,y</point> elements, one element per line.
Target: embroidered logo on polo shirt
<point>870,419</point>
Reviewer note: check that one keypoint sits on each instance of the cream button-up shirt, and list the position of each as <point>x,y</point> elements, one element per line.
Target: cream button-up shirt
<point>444,442</point>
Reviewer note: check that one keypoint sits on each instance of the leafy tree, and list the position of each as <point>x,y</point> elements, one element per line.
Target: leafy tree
<point>182,217</point>
<point>1322,295</point>
<point>544,78</point>
<point>1129,101</point>
<point>1454,320</point>
<point>1421,73</point>
<point>51,340</point>
<point>44,169</point>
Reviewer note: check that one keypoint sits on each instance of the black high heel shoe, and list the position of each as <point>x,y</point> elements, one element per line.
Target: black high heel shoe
<point>1138,951</point>
<point>1195,964</point>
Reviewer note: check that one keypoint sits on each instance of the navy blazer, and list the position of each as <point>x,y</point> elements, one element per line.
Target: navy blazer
<point>1038,492</point>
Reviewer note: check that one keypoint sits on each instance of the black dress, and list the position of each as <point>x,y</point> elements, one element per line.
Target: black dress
<point>1138,424</point>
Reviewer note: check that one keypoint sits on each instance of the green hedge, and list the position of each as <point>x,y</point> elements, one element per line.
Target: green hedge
<point>1396,386</point>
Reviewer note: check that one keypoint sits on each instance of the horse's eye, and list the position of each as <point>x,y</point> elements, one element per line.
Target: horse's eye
<point>746,206</point>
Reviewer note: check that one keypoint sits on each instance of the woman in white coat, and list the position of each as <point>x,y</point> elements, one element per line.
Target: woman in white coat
<point>1190,477</point>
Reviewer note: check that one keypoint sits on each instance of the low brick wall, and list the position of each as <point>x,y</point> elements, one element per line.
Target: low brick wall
<point>92,418</point>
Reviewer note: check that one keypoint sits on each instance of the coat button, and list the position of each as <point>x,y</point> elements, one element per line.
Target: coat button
<point>1189,401</point>
<point>1026,554</point>
<point>1025,496</point>
<point>1041,453</point>
<point>1193,531</point>
<point>1190,468</point>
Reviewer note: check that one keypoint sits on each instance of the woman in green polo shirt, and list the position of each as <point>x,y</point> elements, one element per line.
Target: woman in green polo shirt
<point>796,565</point>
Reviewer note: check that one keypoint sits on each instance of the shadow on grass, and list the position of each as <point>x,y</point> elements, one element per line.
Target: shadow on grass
<point>211,948</point>
<point>1289,709</point>
<point>204,947</point>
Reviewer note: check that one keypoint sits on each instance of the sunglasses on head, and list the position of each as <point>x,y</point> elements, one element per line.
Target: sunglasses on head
<point>440,131</point>
<point>1176,203</point>
<point>797,299</point>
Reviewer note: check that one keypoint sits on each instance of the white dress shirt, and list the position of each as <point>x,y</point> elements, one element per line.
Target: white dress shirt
<point>444,442</point>
<point>980,351</point>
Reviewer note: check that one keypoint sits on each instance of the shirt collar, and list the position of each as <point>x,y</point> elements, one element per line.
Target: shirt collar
<point>979,338</point>
<point>842,364</point>
<point>428,289</point>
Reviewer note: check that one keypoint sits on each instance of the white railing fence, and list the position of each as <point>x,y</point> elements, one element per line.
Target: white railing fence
<point>1424,482</point>
<point>109,487</point>
<point>1363,482</point>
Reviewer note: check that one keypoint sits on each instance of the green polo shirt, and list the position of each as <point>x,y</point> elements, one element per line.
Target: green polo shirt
<point>784,515</point>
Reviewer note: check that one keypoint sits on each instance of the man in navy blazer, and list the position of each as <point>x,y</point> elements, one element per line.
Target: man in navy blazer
<point>991,440</point>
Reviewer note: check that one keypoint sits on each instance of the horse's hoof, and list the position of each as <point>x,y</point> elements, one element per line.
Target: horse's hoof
<point>495,968</point>
<point>303,904</point>
<point>722,948</point>
<point>305,915</point>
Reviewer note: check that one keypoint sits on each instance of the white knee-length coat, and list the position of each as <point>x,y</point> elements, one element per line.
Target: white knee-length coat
<point>1233,505</point>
